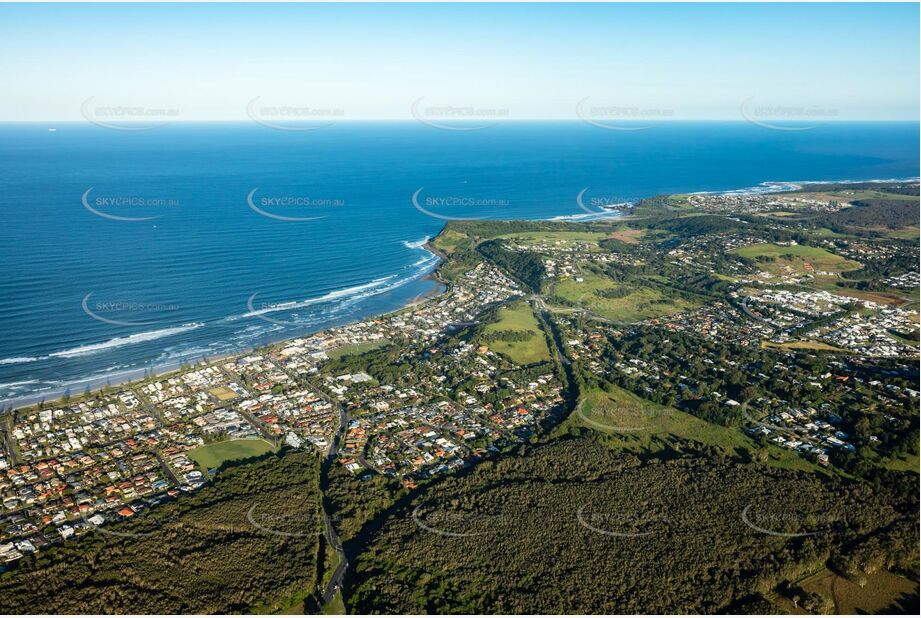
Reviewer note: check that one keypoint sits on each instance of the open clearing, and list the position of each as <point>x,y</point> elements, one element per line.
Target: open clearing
<point>638,423</point>
<point>449,240</point>
<point>223,393</point>
<point>912,232</point>
<point>518,317</point>
<point>884,592</point>
<point>356,348</point>
<point>630,236</point>
<point>817,256</point>
<point>802,345</point>
<point>636,303</point>
<point>883,298</point>
<point>213,455</point>
<point>564,238</point>
<point>800,258</point>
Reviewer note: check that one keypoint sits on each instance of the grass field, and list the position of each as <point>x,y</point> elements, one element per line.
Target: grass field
<point>883,591</point>
<point>223,393</point>
<point>802,345</point>
<point>449,241</point>
<point>213,455</point>
<point>564,237</point>
<point>629,235</point>
<point>907,463</point>
<point>824,232</point>
<point>641,425</point>
<point>797,257</point>
<point>869,194</point>
<point>519,317</point>
<point>678,201</point>
<point>642,303</point>
<point>356,348</point>
<point>912,232</point>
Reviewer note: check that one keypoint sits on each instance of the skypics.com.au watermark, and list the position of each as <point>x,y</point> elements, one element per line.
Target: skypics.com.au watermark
<point>291,208</point>
<point>444,206</point>
<point>785,117</point>
<point>127,117</point>
<point>786,523</point>
<point>296,118</point>
<point>292,520</point>
<point>624,525</point>
<point>621,117</point>
<point>602,206</point>
<point>457,117</point>
<point>117,312</point>
<point>115,207</point>
<point>456,523</point>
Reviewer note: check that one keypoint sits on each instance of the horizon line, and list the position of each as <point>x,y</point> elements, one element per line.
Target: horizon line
<point>341,120</point>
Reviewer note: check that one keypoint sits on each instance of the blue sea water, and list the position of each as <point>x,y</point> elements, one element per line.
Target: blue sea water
<point>122,251</point>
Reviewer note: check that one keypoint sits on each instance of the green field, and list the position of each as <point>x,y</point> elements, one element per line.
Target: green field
<point>906,463</point>
<point>639,304</point>
<point>640,425</point>
<point>519,317</point>
<point>797,257</point>
<point>213,455</point>
<point>356,348</point>
<point>869,194</point>
<point>802,345</point>
<point>553,237</point>
<point>449,241</point>
<point>824,232</point>
<point>883,592</point>
<point>629,235</point>
<point>911,232</point>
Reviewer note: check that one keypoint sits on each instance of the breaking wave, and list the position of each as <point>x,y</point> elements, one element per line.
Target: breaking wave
<point>116,342</point>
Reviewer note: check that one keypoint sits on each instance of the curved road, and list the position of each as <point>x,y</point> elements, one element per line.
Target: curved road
<point>335,582</point>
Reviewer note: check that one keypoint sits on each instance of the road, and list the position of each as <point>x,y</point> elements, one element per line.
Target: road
<point>547,315</point>
<point>338,577</point>
<point>335,582</point>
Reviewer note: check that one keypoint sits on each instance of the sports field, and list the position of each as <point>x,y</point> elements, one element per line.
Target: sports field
<point>213,455</point>
<point>519,318</point>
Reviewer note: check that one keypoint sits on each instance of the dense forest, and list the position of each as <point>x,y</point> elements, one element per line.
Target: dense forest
<point>876,213</point>
<point>525,266</point>
<point>684,535</point>
<point>249,542</point>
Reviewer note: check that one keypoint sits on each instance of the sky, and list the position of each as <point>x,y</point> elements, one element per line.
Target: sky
<point>517,61</point>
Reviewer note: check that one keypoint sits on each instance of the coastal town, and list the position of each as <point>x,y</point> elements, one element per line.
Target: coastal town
<point>67,469</point>
<point>582,308</point>
<point>430,389</point>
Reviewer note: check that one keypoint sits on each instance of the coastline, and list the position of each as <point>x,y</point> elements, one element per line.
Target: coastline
<point>142,375</point>
<point>97,384</point>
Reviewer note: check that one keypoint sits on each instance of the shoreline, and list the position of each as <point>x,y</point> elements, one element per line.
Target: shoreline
<point>141,375</point>
<point>788,186</point>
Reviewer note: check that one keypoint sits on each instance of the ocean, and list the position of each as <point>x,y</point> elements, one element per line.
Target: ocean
<point>129,251</point>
